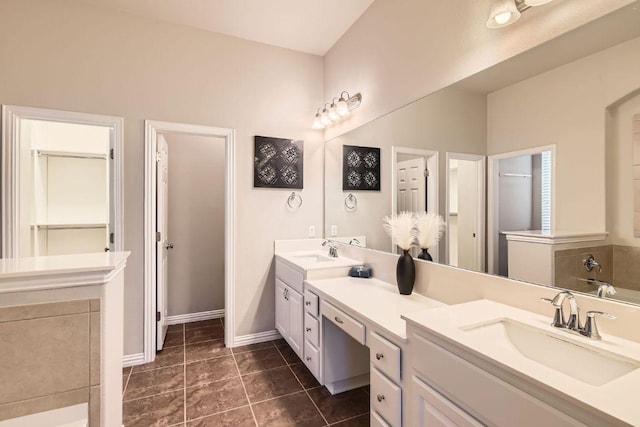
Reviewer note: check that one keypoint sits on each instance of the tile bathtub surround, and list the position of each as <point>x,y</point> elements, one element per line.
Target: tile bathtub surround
<point>253,385</point>
<point>51,356</point>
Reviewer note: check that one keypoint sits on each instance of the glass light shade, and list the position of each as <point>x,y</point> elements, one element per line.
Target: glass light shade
<point>324,117</point>
<point>317,123</point>
<point>503,13</point>
<point>342,108</point>
<point>535,3</point>
<point>333,112</point>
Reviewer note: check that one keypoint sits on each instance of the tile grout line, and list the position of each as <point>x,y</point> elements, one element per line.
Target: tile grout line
<point>302,385</point>
<point>235,362</point>
<point>218,413</point>
<point>127,383</point>
<point>184,372</point>
<point>349,419</point>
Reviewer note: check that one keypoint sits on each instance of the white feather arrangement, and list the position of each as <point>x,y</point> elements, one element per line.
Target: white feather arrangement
<point>401,228</point>
<point>429,229</point>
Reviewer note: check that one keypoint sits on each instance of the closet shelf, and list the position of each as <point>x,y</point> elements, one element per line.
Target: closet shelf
<point>71,155</point>
<point>70,226</point>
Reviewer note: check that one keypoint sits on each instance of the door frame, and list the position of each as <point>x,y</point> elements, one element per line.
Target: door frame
<point>493,197</point>
<point>433,195</point>
<point>481,207</point>
<point>11,117</point>
<point>152,129</point>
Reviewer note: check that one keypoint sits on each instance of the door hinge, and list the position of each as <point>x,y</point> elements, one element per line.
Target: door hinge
<point>158,236</point>
<point>112,238</point>
<point>426,173</point>
<point>158,156</point>
<point>111,153</point>
<point>158,316</point>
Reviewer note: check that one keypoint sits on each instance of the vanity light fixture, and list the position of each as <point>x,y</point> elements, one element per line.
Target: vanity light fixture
<point>338,108</point>
<point>506,12</point>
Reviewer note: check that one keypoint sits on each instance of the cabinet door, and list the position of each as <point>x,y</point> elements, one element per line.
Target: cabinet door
<point>296,324</point>
<point>282,308</point>
<point>434,410</point>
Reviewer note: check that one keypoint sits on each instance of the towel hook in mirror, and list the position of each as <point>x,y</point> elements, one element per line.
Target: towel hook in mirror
<point>294,201</point>
<point>351,202</point>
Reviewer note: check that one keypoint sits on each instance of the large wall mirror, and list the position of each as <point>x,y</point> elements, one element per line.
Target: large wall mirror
<point>530,162</point>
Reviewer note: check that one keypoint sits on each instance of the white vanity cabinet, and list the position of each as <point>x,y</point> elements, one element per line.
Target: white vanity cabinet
<point>312,333</point>
<point>386,379</point>
<point>289,315</point>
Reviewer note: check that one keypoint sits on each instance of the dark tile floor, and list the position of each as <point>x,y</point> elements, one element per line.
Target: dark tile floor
<point>196,382</point>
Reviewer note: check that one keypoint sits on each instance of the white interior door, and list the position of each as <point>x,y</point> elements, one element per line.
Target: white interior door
<point>468,214</point>
<point>162,243</point>
<point>411,186</point>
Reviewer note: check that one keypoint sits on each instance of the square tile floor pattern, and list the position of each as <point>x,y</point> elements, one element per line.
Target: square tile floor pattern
<point>196,381</point>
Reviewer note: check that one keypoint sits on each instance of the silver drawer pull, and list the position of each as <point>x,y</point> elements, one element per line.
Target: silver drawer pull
<point>380,397</point>
<point>308,359</point>
<point>379,356</point>
<point>307,303</point>
<point>337,319</point>
<point>308,329</point>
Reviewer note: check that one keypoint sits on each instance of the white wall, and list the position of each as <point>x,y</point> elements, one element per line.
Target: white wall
<point>400,50</point>
<point>450,120</point>
<point>196,223</point>
<point>73,56</point>
<point>567,107</point>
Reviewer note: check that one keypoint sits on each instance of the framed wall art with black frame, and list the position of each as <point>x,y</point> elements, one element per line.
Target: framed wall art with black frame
<point>360,168</point>
<point>278,163</point>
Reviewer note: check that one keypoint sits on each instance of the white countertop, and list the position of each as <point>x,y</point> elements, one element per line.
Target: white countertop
<point>46,272</point>
<point>376,301</point>
<point>617,398</point>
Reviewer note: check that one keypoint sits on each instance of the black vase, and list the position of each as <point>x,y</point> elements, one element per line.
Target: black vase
<point>425,255</point>
<point>405,273</point>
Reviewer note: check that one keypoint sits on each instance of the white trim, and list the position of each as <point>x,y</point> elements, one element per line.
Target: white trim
<point>132,360</point>
<point>256,338</point>
<point>482,192</point>
<point>554,239</point>
<point>194,317</point>
<point>11,116</point>
<point>433,194</point>
<point>492,197</point>
<point>152,129</point>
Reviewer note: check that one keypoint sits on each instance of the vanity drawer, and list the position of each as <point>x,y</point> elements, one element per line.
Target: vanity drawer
<point>311,329</point>
<point>386,398</point>
<point>311,303</point>
<point>480,392</point>
<point>312,359</point>
<point>342,320</point>
<point>289,275</point>
<point>385,356</point>
<point>377,421</point>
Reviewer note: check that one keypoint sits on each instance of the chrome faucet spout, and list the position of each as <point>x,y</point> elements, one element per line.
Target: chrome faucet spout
<point>573,322</point>
<point>333,249</point>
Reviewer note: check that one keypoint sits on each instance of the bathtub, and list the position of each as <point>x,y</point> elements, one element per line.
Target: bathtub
<point>70,416</point>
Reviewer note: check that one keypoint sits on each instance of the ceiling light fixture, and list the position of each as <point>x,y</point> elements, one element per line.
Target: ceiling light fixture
<point>338,108</point>
<point>506,12</point>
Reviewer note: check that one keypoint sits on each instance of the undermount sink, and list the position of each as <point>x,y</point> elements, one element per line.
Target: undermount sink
<point>572,358</point>
<point>313,258</point>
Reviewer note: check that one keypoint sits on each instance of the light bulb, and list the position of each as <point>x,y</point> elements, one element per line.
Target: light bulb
<point>342,108</point>
<point>333,112</point>
<point>502,18</point>
<point>503,13</point>
<point>324,117</point>
<point>317,123</point>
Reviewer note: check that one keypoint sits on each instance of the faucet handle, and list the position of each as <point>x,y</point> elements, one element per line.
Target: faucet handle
<point>558,316</point>
<point>590,327</point>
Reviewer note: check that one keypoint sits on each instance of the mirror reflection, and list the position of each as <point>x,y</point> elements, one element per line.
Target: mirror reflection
<point>531,164</point>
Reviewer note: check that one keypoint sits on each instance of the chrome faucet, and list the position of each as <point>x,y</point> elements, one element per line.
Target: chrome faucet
<point>604,288</point>
<point>333,249</point>
<point>573,322</point>
<point>354,240</point>
<point>590,328</point>
<point>590,262</point>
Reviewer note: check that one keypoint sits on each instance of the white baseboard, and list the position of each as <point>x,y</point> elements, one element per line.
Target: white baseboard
<point>194,317</point>
<point>132,359</point>
<point>256,338</point>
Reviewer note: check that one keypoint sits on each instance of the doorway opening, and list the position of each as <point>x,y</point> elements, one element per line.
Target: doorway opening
<point>521,191</point>
<point>189,231</point>
<point>414,185</point>
<point>61,182</point>
<point>465,216</point>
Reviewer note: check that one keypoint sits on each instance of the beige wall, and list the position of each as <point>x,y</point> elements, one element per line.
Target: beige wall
<point>401,50</point>
<point>567,107</point>
<point>68,55</point>
<point>196,223</point>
